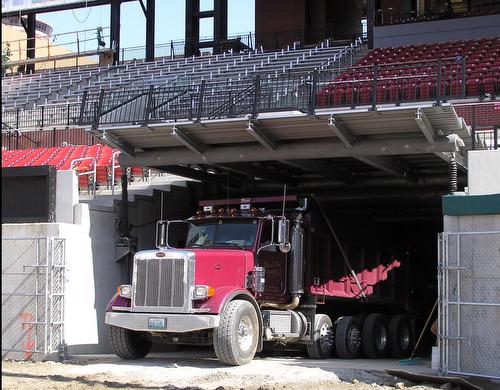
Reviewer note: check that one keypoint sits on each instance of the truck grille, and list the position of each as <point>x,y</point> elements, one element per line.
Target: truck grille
<point>161,283</point>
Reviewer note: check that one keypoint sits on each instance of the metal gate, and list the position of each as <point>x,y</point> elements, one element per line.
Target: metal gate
<point>469,303</point>
<point>32,297</point>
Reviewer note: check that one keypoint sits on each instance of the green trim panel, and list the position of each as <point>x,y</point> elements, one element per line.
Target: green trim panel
<point>471,204</point>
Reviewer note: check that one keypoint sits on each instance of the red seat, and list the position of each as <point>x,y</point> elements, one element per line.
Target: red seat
<point>102,175</point>
<point>365,94</point>
<point>409,91</point>
<point>488,85</point>
<point>456,88</point>
<point>472,87</point>
<point>394,92</point>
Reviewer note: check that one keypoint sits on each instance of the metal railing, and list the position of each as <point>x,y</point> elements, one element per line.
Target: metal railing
<point>33,280</point>
<point>113,168</point>
<point>485,138</point>
<point>468,309</point>
<point>473,8</point>
<point>177,48</point>
<point>394,83</point>
<point>46,138</point>
<point>269,40</point>
<point>91,173</point>
<point>42,116</point>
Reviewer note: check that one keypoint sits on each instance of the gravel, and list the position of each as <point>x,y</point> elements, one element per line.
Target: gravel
<point>192,371</point>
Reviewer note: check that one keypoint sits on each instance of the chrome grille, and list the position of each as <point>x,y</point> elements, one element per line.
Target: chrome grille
<point>161,283</point>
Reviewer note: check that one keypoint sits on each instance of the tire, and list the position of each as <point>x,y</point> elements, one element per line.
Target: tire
<point>400,337</point>
<point>235,340</point>
<point>128,344</point>
<point>322,345</point>
<point>348,338</point>
<point>375,336</point>
<point>361,318</point>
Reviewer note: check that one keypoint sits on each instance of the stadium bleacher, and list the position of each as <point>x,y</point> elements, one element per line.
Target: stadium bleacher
<point>406,73</point>
<point>412,73</point>
<point>62,86</point>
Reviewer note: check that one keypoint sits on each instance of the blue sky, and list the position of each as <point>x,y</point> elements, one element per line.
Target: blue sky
<point>169,23</point>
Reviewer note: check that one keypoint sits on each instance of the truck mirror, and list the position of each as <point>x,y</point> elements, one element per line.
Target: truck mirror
<point>283,235</point>
<point>171,234</point>
<point>161,234</point>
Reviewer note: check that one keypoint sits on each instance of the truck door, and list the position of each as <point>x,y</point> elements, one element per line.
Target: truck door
<point>274,263</point>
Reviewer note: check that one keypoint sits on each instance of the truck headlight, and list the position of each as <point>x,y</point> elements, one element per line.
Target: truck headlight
<point>125,290</point>
<point>203,292</point>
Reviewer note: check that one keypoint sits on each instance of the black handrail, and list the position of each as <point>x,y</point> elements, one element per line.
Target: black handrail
<point>437,81</point>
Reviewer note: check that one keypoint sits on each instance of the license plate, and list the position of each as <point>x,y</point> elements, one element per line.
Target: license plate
<point>157,323</point>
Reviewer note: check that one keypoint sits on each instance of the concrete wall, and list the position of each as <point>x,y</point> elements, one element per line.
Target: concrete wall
<point>471,223</point>
<point>484,172</point>
<point>66,195</point>
<point>108,274</point>
<point>437,31</point>
<point>80,326</point>
<point>92,274</point>
<point>92,268</point>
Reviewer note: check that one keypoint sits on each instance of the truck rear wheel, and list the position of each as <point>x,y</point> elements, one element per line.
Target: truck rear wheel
<point>348,338</point>
<point>128,344</point>
<point>235,340</point>
<point>375,336</point>
<point>400,337</point>
<point>322,344</point>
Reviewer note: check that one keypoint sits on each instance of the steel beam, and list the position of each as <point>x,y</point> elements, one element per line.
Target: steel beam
<point>387,184</point>
<point>294,151</point>
<point>462,162</point>
<point>388,166</point>
<point>114,33</point>
<point>264,139</point>
<point>425,126</point>
<point>220,25</point>
<point>342,132</point>
<point>194,174</point>
<point>195,146</point>
<point>112,141</point>
<point>253,171</point>
<point>321,169</point>
<point>150,29</point>
<point>30,42</point>
<point>192,29</point>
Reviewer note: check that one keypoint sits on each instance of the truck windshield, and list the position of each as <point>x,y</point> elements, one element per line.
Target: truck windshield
<point>222,233</point>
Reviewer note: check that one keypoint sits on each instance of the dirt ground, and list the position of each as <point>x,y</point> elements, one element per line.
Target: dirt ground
<point>200,370</point>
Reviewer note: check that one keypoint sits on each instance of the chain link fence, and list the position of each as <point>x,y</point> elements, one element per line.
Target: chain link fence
<point>33,272</point>
<point>469,303</point>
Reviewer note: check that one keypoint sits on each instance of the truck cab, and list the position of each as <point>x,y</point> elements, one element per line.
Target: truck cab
<point>210,274</point>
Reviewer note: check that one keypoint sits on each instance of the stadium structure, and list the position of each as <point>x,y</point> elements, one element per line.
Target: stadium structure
<point>385,111</point>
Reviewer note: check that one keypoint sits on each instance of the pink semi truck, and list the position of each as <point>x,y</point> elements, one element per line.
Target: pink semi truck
<point>241,275</point>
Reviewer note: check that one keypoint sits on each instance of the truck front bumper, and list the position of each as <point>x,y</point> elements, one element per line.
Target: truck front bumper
<point>175,323</point>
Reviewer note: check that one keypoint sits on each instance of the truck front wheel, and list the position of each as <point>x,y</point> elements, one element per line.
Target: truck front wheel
<point>235,340</point>
<point>322,344</point>
<point>128,344</point>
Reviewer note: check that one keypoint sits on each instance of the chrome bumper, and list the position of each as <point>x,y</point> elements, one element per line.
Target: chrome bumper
<point>176,323</point>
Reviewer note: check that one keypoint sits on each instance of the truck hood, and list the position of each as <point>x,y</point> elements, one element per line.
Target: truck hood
<point>222,267</point>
